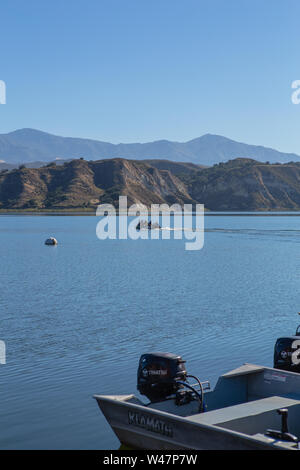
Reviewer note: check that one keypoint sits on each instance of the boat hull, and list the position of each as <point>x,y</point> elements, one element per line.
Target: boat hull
<point>239,411</point>
<point>156,430</point>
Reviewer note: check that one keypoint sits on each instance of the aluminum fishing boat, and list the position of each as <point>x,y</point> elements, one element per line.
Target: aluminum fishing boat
<point>251,407</point>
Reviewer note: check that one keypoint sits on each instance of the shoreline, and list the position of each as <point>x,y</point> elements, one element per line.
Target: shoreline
<point>88,212</point>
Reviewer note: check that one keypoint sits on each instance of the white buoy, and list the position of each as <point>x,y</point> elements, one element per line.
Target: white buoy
<point>51,241</point>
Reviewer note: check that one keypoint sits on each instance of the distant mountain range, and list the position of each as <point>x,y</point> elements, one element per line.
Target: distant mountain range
<point>240,184</point>
<point>29,145</point>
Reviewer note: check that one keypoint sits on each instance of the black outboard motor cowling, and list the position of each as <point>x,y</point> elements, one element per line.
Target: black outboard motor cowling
<point>286,354</point>
<point>158,375</point>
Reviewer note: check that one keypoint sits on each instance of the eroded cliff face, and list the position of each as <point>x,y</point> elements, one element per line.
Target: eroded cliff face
<point>81,184</point>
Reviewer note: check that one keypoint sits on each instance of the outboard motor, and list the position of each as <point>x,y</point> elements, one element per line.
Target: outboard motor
<point>159,375</point>
<point>286,354</point>
<point>163,375</point>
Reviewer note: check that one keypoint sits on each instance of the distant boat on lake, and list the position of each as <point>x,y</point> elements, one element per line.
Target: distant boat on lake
<point>144,224</point>
<point>51,241</point>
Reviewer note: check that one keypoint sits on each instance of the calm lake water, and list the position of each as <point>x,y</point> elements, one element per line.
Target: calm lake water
<point>76,317</point>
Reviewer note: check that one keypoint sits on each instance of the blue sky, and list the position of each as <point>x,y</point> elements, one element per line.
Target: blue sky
<point>143,70</point>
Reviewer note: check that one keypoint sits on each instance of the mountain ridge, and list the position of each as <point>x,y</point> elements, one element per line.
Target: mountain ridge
<point>29,145</point>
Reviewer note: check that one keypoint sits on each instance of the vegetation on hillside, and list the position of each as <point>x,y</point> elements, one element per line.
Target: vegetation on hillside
<point>240,184</point>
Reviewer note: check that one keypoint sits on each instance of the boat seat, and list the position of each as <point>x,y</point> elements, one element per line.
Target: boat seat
<point>245,369</point>
<point>243,410</point>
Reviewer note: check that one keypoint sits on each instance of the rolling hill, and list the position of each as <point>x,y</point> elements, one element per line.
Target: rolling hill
<point>238,185</point>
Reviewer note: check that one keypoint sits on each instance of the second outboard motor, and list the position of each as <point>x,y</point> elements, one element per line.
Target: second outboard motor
<point>286,353</point>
